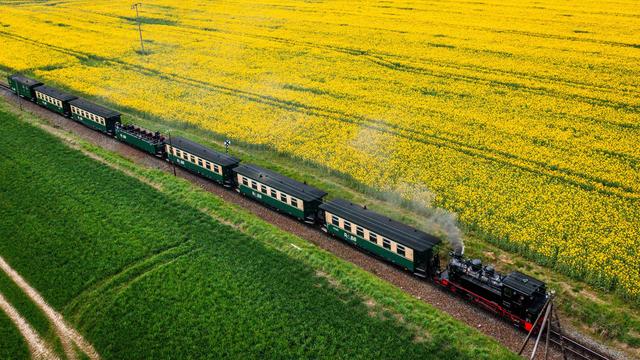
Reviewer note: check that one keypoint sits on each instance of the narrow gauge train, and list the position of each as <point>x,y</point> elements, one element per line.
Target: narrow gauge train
<point>515,296</point>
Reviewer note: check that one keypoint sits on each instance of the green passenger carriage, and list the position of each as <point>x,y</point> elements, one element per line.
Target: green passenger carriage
<point>280,192</point>
<point>23,86</point>
<point>94,116</point>
<point>53,99</point>
<point>201,160</point>
<point>396,242</point>
<point>145,140</point>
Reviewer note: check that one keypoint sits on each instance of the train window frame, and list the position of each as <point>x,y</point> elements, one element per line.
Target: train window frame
<point>200,162</point>
<point>510,292</point>
<point>294,202</point>
<point>386,243</point>
<point>263,189</point>
<point>274,193</point>
<point>254,185</point>
<point>283,197</point>
<point>346,225</point>
<point>360,231</point>
<point>216,168</point>
<point>373,237</point>
<point>335,220</point>
<point>245,181</point>
<point>401,250</point>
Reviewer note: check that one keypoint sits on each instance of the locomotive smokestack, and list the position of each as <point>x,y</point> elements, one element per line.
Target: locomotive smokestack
<point>458,248</point>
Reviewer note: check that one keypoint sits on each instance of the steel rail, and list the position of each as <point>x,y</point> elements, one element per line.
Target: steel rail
<point>577,349</point>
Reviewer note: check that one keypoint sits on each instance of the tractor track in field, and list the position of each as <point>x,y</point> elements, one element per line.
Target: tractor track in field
<point>38,348</point>
<point>69,337</point>
<point>459,309</point>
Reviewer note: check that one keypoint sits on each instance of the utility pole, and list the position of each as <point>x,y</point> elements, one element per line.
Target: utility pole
<point>547,323</point>
<point>135,6</point>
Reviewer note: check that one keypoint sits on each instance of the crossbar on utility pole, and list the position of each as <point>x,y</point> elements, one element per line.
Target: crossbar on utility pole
<point>135,6</point>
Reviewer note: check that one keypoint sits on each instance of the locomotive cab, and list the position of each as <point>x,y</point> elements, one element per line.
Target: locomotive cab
<point>523,296</point>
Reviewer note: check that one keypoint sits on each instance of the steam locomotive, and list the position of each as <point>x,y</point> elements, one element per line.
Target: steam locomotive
<point>514,296</point>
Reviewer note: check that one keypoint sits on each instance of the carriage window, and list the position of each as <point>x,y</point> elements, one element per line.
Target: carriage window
<point>359,231</point>
<point>263,189</point>
<point>273,194</point>
<point>245,182</point>
<point>373,237</point>
<point>254,185</point>
<point>347,226</point>
<point>199,162</point>
<point>294,202</point>
<point>335,221</point>
<point>216,168</point>
<point>401,250</point>
<point>283,197</point>
<point>386,243</point>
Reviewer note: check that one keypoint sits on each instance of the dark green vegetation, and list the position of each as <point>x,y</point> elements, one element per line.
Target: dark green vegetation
<point>148,273</point>
<point>12,346</point>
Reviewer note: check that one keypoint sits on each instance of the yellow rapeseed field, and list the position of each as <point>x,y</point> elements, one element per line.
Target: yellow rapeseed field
<point>523,116</point>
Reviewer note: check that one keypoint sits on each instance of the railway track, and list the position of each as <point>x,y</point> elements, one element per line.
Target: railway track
<point>573,348</point>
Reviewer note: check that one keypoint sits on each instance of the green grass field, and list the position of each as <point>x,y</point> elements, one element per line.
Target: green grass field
<point>148,273</point>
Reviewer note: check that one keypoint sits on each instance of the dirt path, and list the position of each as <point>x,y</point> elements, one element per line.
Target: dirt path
<point>38,348</point>
<point>68,336</point>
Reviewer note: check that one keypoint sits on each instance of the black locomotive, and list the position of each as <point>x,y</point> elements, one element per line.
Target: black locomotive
<point>515,296</point>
